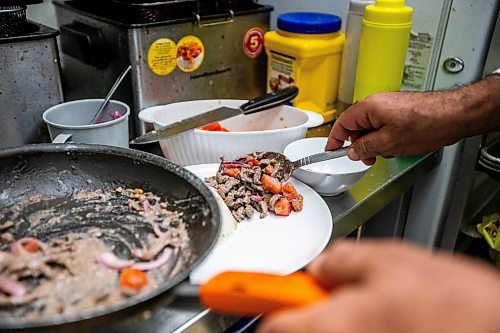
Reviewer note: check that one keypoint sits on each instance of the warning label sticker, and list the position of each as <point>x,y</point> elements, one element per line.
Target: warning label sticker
<point>417,62</point>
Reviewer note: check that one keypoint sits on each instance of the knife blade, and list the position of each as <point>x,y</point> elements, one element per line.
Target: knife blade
<point>258,104</point>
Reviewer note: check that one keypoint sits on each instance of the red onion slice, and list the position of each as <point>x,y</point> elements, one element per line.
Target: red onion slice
<point>109,260</point>
<point>256,198</point>
<point>115,115</point>
<point>236,165</point>
<point>11,287</point>
<point>153,264</point>
<point>17,247</point>
<point>146,206</point>
<point>157,231</point>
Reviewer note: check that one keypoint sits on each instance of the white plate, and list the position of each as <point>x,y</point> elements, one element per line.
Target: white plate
<point>274,244</point>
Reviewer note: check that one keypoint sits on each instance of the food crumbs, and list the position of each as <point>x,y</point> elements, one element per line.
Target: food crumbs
<point>138,192</point>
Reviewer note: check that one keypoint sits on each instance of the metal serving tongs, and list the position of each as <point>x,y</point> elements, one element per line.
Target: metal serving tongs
<point>287,167</point>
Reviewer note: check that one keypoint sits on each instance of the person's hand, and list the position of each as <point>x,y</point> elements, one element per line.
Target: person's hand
<point>395,124</point>
<point>391,287</point>
<point>413,123</point>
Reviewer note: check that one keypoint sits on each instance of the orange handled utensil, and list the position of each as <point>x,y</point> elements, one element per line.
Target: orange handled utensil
<point>252,294</point>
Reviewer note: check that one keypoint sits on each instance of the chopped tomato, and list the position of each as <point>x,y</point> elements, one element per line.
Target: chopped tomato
<point>271,184</point>
<point>232,172</point>
<point>289,191</point>
<point>268,169</point>
<point>253,161</point>
<point>133,278</point>
<point>212,127</point>
<point>30,246</point>
<point>282,207</point>
<point>297,203</point>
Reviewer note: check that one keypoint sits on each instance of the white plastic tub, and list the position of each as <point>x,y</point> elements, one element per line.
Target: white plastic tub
<point>270,130</point>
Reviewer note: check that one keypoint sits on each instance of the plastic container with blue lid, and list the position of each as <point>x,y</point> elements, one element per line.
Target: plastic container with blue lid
<point>306,51</point>
<point>309,23</point>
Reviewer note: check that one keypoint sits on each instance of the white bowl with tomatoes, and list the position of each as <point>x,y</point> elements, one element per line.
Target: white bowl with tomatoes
<point>270,130</point>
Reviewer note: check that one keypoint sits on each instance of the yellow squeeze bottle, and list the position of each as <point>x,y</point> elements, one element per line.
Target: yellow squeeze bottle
<point>306,51</point>
<point>382,48</point>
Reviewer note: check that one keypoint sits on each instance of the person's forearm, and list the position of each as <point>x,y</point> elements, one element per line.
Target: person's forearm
<point>414,123</point>
<point>479,107</point>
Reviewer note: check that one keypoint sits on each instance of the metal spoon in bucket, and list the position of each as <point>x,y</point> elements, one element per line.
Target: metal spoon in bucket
<point>287,167</point>
<point>110,94</point>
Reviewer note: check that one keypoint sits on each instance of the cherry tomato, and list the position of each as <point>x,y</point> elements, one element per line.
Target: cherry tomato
<point>30,246</point>
<point>268,169</point>
<point>271,184</point>
<point>231,172</point>
<point>282,207</point>
<point>253,161</point>
<point>289,191</point>
<point>212,127</point>
<point>133,278</point>
<point>297,203</point>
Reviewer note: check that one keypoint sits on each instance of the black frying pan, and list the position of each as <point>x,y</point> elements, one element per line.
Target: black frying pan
<point>59,170</point>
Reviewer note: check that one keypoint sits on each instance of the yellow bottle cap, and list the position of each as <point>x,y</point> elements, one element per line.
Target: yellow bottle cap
<point>388,12</point>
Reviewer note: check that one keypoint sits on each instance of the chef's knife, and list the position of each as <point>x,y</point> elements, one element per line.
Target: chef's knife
<point>254,105</point>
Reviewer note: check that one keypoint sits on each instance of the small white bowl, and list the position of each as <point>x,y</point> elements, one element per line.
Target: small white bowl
<point>330,177</point>
<point>269,130</point>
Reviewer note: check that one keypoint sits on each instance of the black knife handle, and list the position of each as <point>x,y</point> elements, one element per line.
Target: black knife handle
<point>270,100</point>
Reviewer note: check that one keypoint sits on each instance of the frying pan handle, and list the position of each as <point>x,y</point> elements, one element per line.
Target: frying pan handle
<point>252,294</point>
<point>270,100</point>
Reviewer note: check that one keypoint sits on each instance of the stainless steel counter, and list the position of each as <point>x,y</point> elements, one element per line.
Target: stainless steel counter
<point>385,181</point>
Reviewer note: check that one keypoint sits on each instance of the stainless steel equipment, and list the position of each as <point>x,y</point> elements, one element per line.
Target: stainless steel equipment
<point>29,75</point>
<point>100,38</point>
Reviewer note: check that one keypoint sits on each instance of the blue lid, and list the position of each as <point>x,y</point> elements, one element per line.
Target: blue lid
<point>309,23</point>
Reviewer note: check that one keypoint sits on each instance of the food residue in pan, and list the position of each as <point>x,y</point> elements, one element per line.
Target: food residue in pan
<point>251,183</point>
<point>105,260</point>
